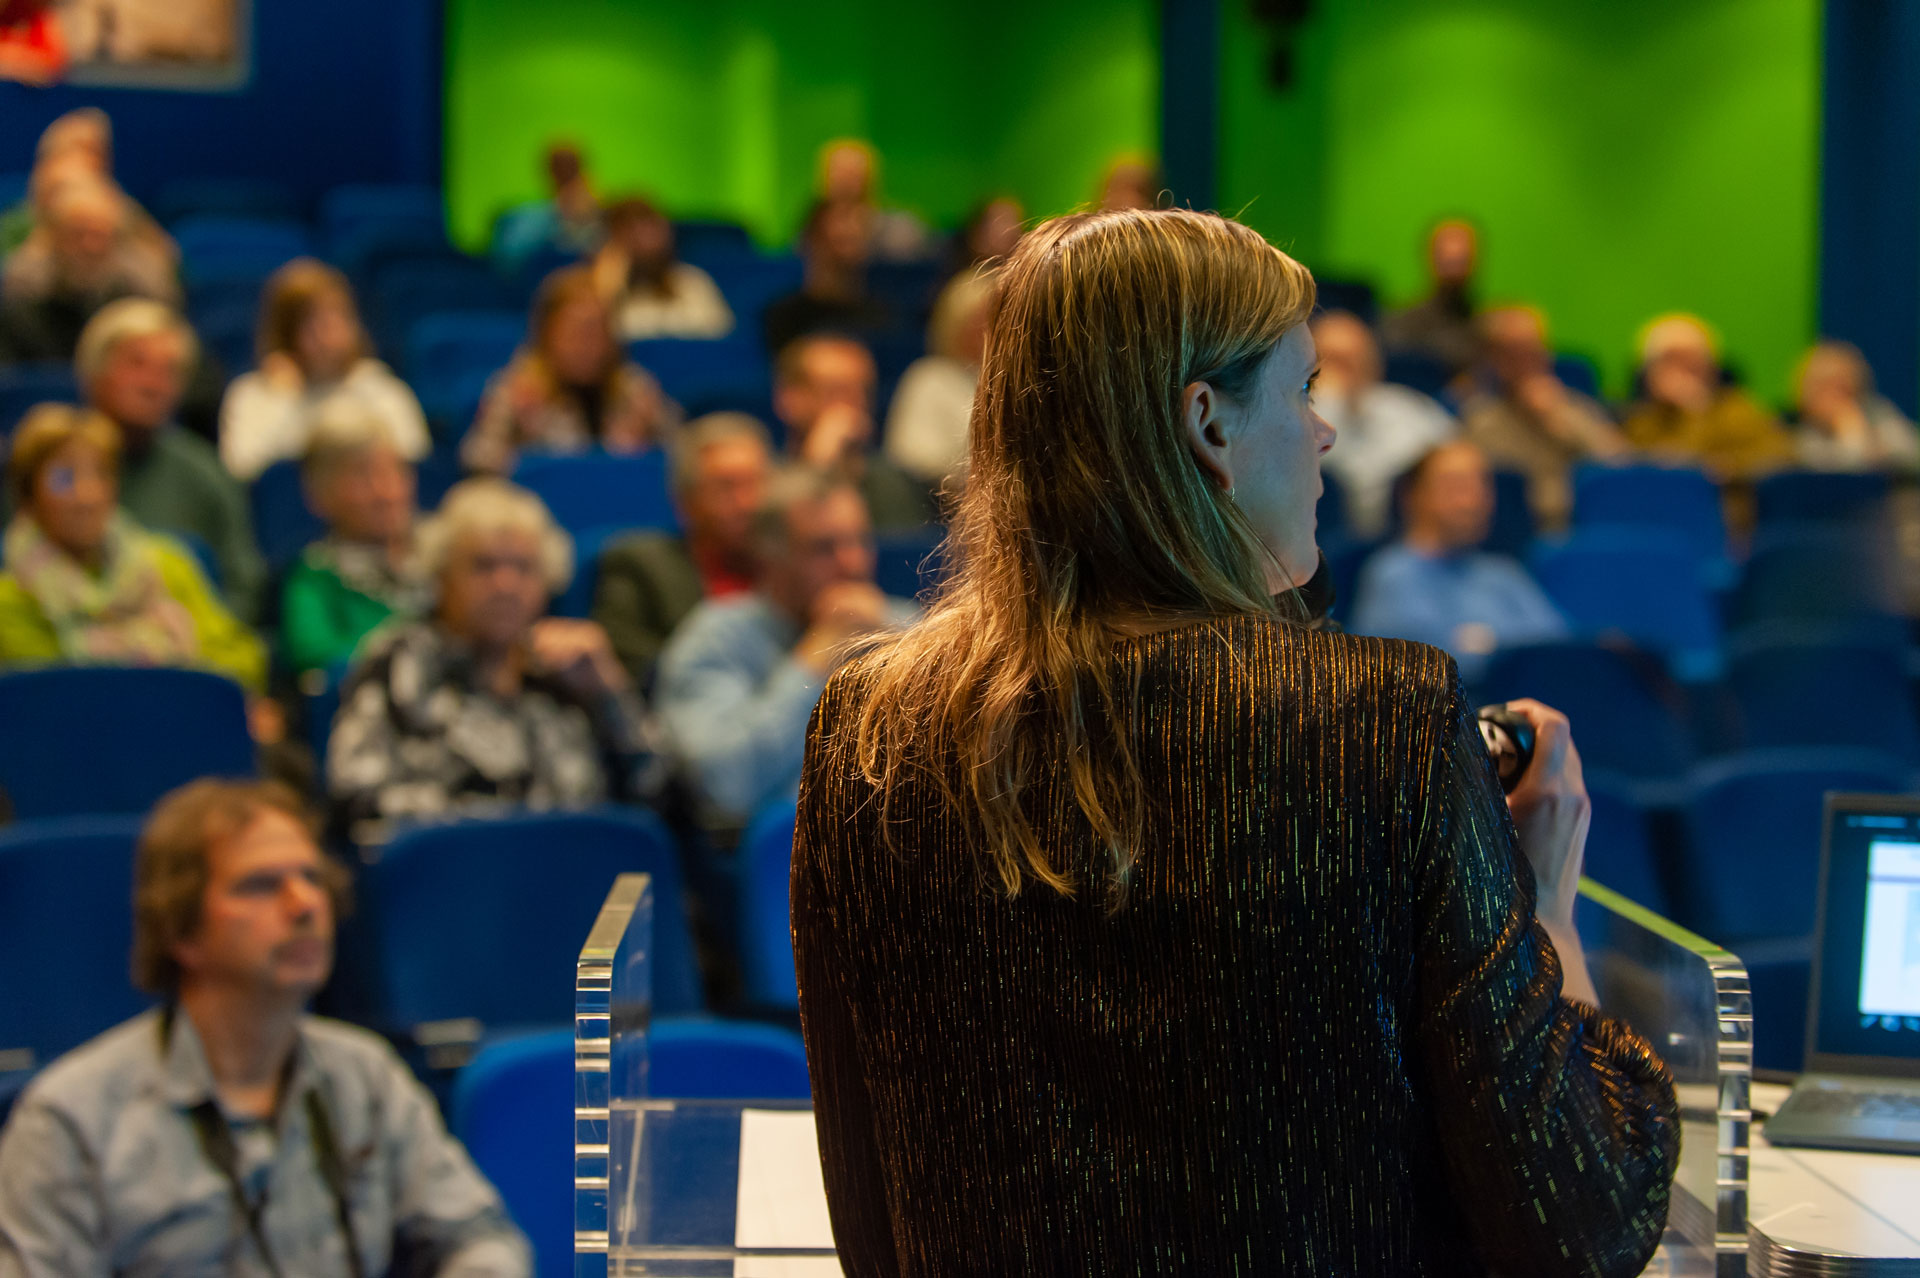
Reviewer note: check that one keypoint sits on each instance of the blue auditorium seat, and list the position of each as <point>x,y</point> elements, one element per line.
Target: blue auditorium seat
<point>24,385</point>
<point>445,344</point>
<point>1653,497</point>
<point>1355,296</point>
<point>1800,687</point>
<point>1801,496</point>
<point>107,739</point>
<point>513,1108</point>
<point>363,251</point>
<point>710,375</point>
<point>345,209</point>
<point>230,331</point>
<point>1619,851</point>
<point>1820,573</point>
<point>909,563</point>
<point>228,244</point>
<point>907,290</point>
<point>1578,373</point>
<point>403,290</point>
<point>766,938</point>
<point>700,241</point>
<point>185,198</point>
<point>1330,512</point>
<point>66,935</point>
<point>1752,858</point>
<point>483,919</point>
<point>1512,528</point>
<point>749,283</point>
<point>598,490</point>
<point>283,524</point>
<point>588,543</point>
<point>1419,371</point>
<point>1628,719</point>
<point>1645,585</point>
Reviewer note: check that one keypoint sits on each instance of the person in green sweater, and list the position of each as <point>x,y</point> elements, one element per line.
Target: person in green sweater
<point>362,573</point>
<point>132,364</point>
<point>87,585</point>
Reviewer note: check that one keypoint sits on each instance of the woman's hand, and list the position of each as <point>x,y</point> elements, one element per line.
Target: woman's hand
<point>578,654</point>
<point>1551,810</point>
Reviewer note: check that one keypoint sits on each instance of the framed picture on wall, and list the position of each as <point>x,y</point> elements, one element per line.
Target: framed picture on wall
<point>158,44</point>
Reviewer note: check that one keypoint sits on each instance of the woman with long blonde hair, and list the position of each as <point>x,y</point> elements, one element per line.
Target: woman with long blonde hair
<point>1143,928</point>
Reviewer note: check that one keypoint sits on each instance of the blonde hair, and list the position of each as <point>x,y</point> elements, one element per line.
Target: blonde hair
<point>1085,515</point>
<point>963,294</point>
<point>343,429</point>
<point>702,433</point>
<point>1658,335</point>
<point>486,505</point>
<point>125,320</point>
<point>43,432</point>
<point>170,869</point>
<point>289,298</point>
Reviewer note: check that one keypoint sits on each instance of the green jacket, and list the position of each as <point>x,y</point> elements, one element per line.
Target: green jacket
<point>322,618</point>
<point>177,485</point>
<point>647,584</point>
<point>227,647</point>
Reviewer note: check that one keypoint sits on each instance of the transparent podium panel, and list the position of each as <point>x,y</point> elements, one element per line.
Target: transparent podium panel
<point>1689,999</point>
<point>683,1188</point>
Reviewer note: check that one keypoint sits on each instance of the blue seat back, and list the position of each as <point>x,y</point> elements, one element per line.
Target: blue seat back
<point>1619,850</point>
<point>700,241</point>
<point>749,283</point>
<point>513,1108</point>
<point>577,599</point>
<point>1826,573</point>
<point>24,385</point>
<point>1803,691</point>
<point>1417,370</point>
<point>909,564</point>
<point>712,375</point>
<point>1752,860</point>
<point>404,290</point>
<point>446,344</point>
<point>485,918</point>
<point>106,739</point>
<point>1801,496</point>
<point>66,931</point>
<point>1643,585</point>
<point>227,244</point>
<point>1626,718</point>
<point>1578,373</point>
<point>1511,531</point>
<point>283,523</point>
<point>346,209</point>
<point>1356,296</point>
<point>255,198</point>
<point>1684,501</point>
<point>766,936</point>
<point>595,490</point>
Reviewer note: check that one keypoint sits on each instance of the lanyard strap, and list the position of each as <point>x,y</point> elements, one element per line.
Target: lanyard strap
<point>216,1142</point>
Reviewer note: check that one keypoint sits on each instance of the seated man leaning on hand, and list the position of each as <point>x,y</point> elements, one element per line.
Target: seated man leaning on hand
<point>228,1131</point>
<point>739,679</point>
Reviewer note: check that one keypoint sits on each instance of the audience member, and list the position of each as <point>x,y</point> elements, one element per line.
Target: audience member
<point>989,234</point>
<point>362,573</point>
<point>132,365</point>
<point>651,292</point>
<point>1433,585</point>
<point>833,295</point>
<point>80,256</point>
<point>570,388</point>
<point>1690,414</point>
<point>823,388</point>
<point>485,706</point>
<point>85,584</point>
<point>650,581</point>
<point>77,145</point>
<point>739,678</point>
<point>1440,327</point>
<point>1844,423</point>
<point>313,353</point>
<point>568,221</point>
<point>1379,429</point>
<point>32,48</point>
<point>153,1148</point>
<point>1524,418</point>
<point>1131,181</point>
<point>850,174</point>
<point>926,432</point>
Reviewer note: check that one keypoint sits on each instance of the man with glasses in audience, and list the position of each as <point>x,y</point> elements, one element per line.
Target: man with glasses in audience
<point>227,1130</point>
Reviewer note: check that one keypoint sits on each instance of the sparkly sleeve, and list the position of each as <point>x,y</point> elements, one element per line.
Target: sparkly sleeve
<point>843,1113</point>
<point>1559,1125</point>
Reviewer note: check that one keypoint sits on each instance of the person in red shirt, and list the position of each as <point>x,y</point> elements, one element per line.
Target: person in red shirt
<point>33,49</point>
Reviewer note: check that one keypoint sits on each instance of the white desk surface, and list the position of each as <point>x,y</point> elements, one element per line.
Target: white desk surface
<point>1865,1205</point>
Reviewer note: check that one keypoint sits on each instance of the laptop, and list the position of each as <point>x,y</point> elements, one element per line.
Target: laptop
<point>1862,1086</point>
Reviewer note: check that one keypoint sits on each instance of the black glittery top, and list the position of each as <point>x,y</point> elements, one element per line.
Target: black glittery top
<point>1323,1036</point>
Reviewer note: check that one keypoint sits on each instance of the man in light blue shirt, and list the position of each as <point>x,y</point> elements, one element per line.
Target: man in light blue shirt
<point>228,1132</point>
<point>1434,586</point>
<point>738,680</point>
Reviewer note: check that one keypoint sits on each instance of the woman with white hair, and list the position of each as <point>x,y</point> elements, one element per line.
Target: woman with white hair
<point>363,573</point>
<point>485,706</point>
<point>926,432</point>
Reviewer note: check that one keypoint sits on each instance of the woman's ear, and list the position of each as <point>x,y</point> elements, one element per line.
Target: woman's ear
<point>1202,413</point>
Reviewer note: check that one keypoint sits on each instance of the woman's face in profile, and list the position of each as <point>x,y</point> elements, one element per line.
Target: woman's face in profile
<point>1274,444</point>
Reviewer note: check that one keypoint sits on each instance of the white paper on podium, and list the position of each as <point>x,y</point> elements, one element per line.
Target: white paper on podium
<point>783,1200</point>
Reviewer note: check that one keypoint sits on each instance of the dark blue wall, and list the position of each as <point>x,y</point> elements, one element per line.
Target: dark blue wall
<point>341,91</point>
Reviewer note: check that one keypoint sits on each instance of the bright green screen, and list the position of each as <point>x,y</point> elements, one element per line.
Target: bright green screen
<point>1623,158</point>
<point>719,106</point>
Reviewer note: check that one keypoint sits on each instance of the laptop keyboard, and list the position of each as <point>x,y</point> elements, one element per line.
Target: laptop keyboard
<point>1899,1107</point>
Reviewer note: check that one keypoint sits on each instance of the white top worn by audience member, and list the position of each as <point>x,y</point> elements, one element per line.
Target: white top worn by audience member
<point>690,307</point>
<point>265,419</point>
<point>1378,434</point>
<point>926,432</point>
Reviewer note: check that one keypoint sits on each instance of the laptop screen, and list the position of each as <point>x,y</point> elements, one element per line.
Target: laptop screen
<point>1867,972</point>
